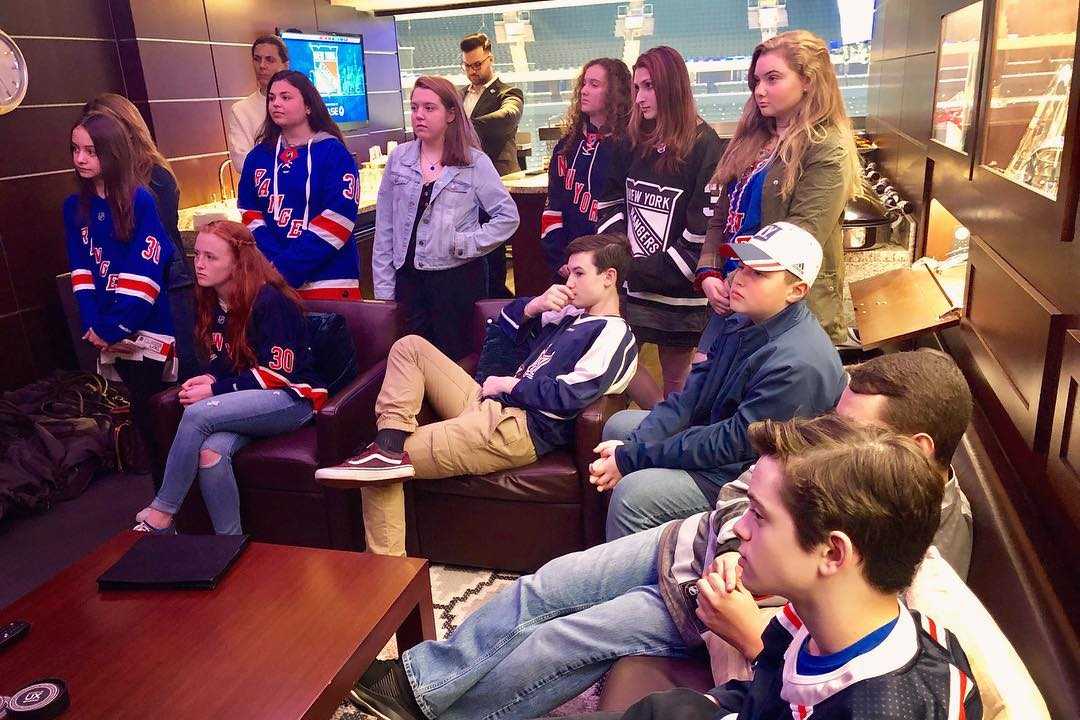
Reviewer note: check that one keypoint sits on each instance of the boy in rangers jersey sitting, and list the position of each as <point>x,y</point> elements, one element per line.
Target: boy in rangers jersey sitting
<point>578,349</point>
<point>841,513</point>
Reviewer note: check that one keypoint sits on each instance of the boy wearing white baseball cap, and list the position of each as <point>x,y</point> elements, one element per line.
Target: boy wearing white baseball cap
<point>771,360</point>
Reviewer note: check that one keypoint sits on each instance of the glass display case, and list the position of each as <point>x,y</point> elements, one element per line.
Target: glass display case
<point>957,76</point>
<point>1028,84</point>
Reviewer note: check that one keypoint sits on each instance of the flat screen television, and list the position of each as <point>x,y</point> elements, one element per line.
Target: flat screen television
<point>335,65</point>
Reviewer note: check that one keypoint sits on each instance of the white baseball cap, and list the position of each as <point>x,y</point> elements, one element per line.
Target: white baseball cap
<point>779,246</point>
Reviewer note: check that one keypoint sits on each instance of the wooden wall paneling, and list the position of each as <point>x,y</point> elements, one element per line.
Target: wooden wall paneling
<point>31,223</point>
<point>177,70</point>
<point>8,304</point>
<point>917,100</point>
<point>64,71</point>
<point>48,338</point>
<point>241,21</point>
<point>1024,228</point>
<point>131,65</point>
<point>923,21</point>
<point>896,29</point>
<point>235,74</point>
<point>910,176</point>
<point>17,365</point>
<point>169,19</point>
<point>877,33</point>
<point>1063,462</point>
<point>382,72</point>
<point>1015,339</point>
<point>86,18</point>
<point>48,130</point>
<point>188,128</point>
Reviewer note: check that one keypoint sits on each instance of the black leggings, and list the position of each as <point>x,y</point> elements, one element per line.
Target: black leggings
<point>439,304</point>
<point>143,379</point>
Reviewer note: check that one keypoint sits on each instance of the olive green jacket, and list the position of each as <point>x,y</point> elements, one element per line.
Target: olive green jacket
<point>816,204</point>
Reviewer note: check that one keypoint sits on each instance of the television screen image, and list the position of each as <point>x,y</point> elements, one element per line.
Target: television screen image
<point>335,66</point>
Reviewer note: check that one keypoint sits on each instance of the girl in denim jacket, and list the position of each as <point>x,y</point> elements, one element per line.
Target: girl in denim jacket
<point>429,242</point>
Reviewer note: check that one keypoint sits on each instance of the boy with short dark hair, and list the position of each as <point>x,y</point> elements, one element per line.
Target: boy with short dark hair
<point>578,350</point>
<point>840,517</point>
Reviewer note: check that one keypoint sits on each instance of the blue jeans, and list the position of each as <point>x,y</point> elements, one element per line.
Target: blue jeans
<point>549,636</point>
<point>223,424</point>
<point>646,498</point>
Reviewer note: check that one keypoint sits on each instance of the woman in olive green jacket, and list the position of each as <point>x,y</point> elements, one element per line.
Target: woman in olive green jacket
<point>792,158</point>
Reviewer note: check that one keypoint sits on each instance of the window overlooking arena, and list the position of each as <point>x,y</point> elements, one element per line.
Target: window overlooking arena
<point>540,47</point>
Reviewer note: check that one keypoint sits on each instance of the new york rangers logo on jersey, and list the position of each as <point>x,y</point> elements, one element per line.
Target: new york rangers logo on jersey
<point>650,209</point>
<point>541,360</point>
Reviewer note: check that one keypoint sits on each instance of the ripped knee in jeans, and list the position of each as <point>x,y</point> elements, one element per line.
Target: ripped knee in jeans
<point>209,458</point>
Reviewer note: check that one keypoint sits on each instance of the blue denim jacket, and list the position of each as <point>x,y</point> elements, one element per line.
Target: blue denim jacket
<point>449,233</point>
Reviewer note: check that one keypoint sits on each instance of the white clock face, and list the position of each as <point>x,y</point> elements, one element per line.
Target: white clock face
<point>13,75</point>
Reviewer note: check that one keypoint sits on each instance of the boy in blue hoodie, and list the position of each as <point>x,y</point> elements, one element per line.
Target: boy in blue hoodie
<point>771,360</point>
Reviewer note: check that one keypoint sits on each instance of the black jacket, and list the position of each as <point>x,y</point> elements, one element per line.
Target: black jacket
<point>496,117</point>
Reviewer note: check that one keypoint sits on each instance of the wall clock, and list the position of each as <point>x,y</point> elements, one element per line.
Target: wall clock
<point>13,74</point>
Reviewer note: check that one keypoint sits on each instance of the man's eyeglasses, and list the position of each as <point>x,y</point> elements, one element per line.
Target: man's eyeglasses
<point>475,66</point>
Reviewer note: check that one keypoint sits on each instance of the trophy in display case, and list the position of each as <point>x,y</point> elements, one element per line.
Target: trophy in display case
<point>1031,68</point>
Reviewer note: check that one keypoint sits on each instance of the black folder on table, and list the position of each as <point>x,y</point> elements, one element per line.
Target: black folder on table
<point>168,562</point>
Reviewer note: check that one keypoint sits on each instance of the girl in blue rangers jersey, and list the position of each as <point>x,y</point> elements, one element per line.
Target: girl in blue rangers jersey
<point>298,193</point>
<point>594,131</point>
<point>261,380</point>
<point>118,251</point>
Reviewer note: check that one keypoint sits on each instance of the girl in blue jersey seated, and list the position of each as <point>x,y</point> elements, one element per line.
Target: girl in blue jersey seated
<point>261,381</point>
<point>594,132</point>
<point>298,193</point>
<point>430,243</point>
<point>118,251</point>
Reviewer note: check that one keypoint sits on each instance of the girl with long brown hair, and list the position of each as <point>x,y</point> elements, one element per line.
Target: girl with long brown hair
<point>792,158</point>
<point>657,195</point>
<point>153,170</point>
<point>118,252</point>
<point>429,247</point>
<point>298,193</point>
<point>260,382</point>
<point>594,131</point>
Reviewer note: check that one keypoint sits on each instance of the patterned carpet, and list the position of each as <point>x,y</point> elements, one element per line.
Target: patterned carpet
<point>456,593</point>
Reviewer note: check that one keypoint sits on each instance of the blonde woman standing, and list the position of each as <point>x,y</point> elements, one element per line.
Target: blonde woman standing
<point>792,158</point>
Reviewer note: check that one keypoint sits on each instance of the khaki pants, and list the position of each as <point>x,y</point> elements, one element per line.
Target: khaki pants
<point>475,436</point>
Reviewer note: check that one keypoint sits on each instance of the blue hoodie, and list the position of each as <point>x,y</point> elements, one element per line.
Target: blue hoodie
<point>781,368</point>
<point>300,204</point>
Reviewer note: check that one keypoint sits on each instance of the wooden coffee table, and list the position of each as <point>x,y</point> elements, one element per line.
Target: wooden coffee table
<point>285,635</point>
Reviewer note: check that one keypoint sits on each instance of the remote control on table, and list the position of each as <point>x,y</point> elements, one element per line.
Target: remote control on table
<point>12,631</point>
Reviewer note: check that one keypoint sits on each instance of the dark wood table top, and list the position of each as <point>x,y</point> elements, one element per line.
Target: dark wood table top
<point>903,303</point>
<point>284,635</point>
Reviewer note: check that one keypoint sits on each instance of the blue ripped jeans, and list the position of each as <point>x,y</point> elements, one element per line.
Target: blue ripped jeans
<point>223,424</point>
<point>549,636</point>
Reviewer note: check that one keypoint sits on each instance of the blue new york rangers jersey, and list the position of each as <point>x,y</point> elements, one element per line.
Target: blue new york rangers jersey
<point>118,284</point>
<point>277,334</point>
<point>300,203</point>
<point>573,360</point>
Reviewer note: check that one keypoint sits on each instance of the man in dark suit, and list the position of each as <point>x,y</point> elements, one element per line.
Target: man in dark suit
<point>493,106</point>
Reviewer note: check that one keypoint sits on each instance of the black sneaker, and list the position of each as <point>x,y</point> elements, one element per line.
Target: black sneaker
<point>384,691</point>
